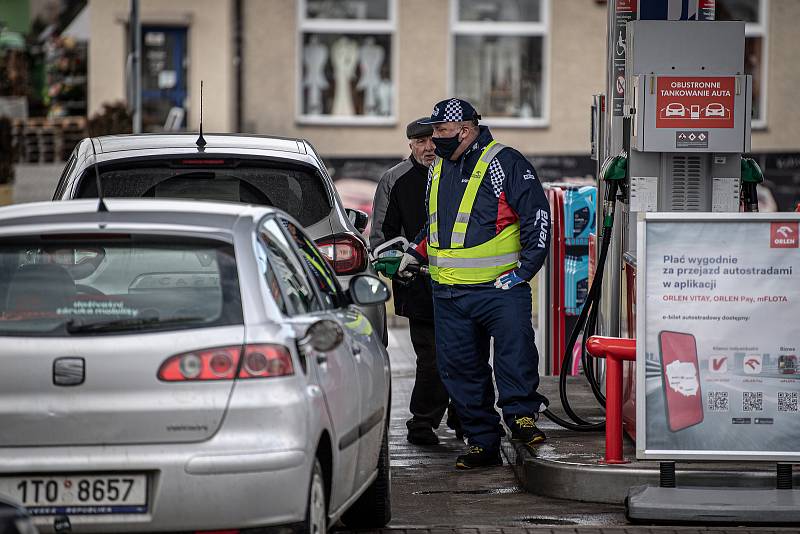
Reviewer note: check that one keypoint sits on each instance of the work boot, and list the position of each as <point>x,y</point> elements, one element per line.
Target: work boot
<point>454,423</point>
<point>422,435</point>
<point>525,431</point>
<point>477,456</point>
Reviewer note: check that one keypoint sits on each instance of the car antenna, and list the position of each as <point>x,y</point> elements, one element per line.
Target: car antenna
<point>201,142</point>
<point>101,206</point>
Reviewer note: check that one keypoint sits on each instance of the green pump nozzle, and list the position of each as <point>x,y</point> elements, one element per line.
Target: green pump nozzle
<point>613,172</point>
<point>751,177</point>
<point>387,263</point>
<point>614,169</point>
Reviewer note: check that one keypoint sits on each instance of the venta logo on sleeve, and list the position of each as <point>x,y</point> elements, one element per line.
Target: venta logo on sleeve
<point>783,235</point>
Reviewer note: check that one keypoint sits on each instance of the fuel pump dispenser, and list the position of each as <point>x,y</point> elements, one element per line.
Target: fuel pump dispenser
<point>688,103</point>
<point>687,117</point>
<point>686,123</point>
<point>669,136</point>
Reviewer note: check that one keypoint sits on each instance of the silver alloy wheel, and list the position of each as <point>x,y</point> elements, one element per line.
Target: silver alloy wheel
<point>316,506</point>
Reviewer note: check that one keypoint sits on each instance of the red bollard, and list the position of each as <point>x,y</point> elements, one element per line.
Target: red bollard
<point>614,350</point>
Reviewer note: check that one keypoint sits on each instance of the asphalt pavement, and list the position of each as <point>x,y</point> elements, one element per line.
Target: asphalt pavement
<point>36,182</point>
<point>428,491</point>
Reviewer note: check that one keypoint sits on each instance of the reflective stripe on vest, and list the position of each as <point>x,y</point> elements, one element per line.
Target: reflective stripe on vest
<point>433,196</point>
<point>473,265</point>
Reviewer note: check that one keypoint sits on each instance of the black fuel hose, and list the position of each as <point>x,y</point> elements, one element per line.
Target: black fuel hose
<point>587,320</point>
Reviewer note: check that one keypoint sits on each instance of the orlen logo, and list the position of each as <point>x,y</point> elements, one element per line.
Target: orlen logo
<point>752,364</point>
<point>784,235</point>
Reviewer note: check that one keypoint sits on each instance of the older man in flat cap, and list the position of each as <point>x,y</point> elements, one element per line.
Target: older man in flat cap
<point>399,209</point>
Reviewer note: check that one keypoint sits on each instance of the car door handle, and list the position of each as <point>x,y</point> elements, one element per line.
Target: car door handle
<point>322,358</point>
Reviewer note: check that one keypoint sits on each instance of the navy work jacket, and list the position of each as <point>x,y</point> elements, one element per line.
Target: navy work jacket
<point>510,192</point>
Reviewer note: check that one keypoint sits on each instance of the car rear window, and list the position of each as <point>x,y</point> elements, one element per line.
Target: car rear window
<point>116,284</point>
<point>298,191</point>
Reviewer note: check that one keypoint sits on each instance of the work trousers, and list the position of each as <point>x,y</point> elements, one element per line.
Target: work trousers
<point>429,398</point>
<point>463,319</point>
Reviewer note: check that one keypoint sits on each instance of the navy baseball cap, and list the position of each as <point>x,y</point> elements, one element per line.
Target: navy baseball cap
<point>452,110</point>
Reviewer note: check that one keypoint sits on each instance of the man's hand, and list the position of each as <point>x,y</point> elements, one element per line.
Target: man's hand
<point>407,260</point>
<point>508,280</point>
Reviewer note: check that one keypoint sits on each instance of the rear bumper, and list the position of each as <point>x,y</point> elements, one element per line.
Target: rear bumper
<point>253,462</point>
<point>190,486</point>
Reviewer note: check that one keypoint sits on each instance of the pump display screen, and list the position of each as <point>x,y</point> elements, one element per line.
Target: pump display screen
<point>718,296</point>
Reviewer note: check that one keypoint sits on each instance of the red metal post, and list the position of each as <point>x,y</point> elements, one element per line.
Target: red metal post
<point>614,412</point>
<point>614,350</point>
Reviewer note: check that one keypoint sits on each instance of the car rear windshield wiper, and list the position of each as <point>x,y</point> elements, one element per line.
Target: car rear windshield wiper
<point>78,327</point>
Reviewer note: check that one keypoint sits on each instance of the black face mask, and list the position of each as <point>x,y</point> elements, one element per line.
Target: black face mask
<point>446,146</point>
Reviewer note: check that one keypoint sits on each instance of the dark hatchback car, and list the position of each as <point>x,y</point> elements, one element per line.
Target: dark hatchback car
<point>252,169</point>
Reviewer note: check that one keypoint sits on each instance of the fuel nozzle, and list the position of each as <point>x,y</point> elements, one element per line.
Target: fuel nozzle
<point>751,177</point>
<point>388,262</point>
<point>613,173</point>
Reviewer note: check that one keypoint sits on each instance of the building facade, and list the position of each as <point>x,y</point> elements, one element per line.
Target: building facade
<point>350,74</point>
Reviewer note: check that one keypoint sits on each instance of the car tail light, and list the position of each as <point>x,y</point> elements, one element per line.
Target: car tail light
<point>262,361</point>
<point>345,253</point>
<point>223,363</point>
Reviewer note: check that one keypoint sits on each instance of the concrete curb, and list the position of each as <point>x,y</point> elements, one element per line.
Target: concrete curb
<point>598,483</point>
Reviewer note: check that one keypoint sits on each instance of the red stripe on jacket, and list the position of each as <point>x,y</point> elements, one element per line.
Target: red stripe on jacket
<point>505,215</point>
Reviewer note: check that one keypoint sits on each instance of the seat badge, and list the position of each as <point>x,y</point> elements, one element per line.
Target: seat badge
<point>69,371</point>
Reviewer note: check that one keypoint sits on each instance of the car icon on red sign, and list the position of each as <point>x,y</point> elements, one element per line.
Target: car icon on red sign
<point>675,109</point>
<point>715,110</point>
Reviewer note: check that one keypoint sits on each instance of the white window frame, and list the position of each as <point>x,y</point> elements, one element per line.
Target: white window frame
<point>760,29</point>
<point>516,29</point>
<point>351,26</point>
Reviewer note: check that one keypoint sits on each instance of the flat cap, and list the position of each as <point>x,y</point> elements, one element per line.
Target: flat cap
<point>415,129</point>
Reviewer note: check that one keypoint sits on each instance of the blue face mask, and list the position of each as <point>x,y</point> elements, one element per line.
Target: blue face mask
<point>446,146</point>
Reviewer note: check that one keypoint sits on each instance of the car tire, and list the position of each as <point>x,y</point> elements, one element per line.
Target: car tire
<point>374,508</point>
<point>316,521</point>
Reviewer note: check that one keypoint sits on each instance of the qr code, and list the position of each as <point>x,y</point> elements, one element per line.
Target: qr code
<point>753,401</point>
<point>787,401</point>
<point>718,401</point>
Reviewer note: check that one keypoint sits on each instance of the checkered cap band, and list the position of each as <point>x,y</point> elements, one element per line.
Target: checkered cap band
<point>453,111</point>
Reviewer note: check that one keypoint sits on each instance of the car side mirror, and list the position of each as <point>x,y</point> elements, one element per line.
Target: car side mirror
<point>365,290</point>
<point>358,218</point>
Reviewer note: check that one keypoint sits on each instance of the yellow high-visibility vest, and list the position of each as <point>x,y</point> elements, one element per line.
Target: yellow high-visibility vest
<point>472,265</point>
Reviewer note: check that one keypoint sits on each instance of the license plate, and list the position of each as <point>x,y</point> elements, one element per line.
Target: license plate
<point>78,494</point>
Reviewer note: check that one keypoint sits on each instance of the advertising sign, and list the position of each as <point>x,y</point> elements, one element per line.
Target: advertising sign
<point>718,336</point>
<point>695,101</point>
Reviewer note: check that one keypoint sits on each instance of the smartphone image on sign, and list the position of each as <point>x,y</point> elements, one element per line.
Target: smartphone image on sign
<point>681,377</point>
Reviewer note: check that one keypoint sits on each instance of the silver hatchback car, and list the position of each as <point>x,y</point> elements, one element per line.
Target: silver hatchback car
<point>253,169</point>
<point>180,366</point>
